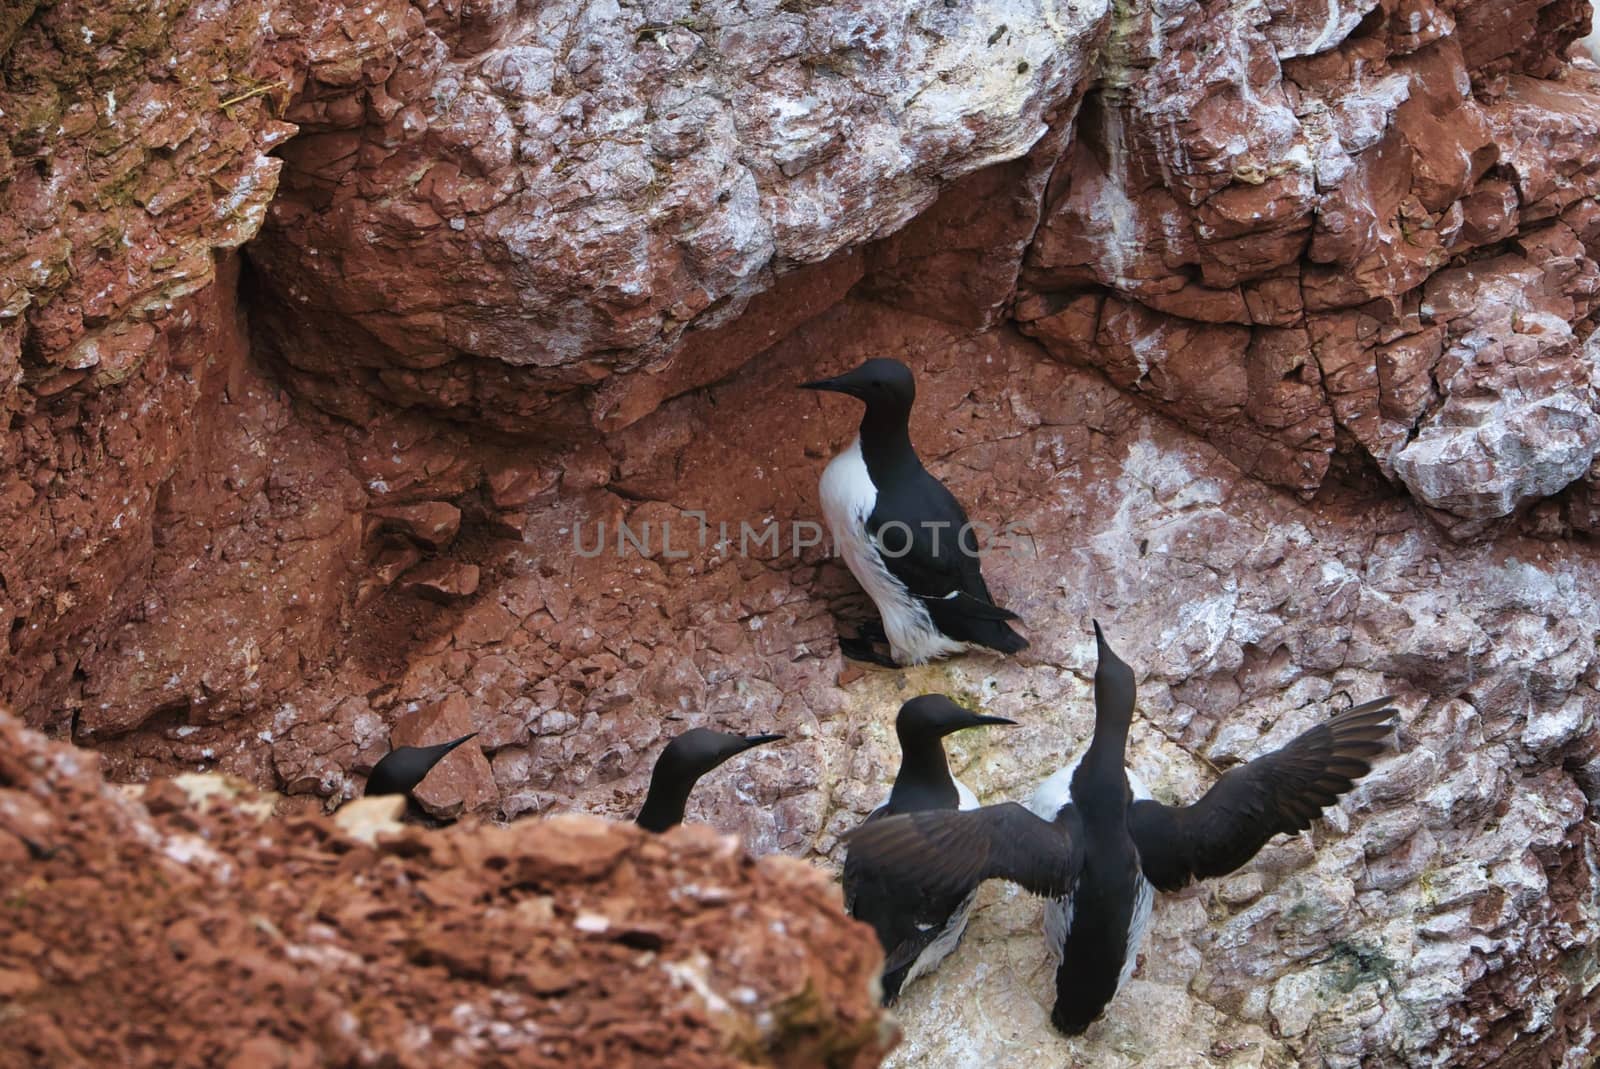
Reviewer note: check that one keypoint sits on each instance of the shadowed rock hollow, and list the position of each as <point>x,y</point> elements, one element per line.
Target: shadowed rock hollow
<point>1263,327</point>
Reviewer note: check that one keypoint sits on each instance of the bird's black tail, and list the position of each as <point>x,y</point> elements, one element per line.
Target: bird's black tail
<point>892,980</point>
<point>995,634</point>
<point>969,619</point>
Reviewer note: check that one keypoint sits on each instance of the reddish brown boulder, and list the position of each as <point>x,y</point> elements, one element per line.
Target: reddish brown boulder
<point>441,580</point>
<point>432,523</point>
<point>1312,172</point>
<point>595,211</point>
<point>168,935</point>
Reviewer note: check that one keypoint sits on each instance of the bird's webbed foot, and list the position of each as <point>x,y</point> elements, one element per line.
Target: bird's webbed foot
<point>859,649</point>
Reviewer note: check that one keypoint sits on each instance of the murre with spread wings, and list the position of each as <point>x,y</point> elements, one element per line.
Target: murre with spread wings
<point>915,945</point>
<point>1094,842</point>
<point>903,535</point>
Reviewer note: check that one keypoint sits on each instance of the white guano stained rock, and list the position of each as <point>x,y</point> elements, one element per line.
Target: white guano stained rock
<point>1521,420</point>
<point>632,170</point>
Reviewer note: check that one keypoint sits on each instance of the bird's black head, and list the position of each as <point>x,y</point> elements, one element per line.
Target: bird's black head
<point>885,384</point>
<point>934,716</point>
<point>699,750</point>
<point>404,767</point>
<point>1113,681</point>
<point>683,761</point>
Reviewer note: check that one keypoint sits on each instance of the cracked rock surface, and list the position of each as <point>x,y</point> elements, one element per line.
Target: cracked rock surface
<point>1261,200</point>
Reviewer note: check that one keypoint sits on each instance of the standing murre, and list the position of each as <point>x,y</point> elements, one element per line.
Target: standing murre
<point>903,535</point>
<point>915,943</point>
<point>1093,841</point>
<point>406,766</point>
<point>680,766</point>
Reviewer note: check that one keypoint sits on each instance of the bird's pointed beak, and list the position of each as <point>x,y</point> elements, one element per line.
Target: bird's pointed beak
<point>971,720</point>
<point>1113,679</point>
<point>837,384</point>
<point>1106,655</point>
<point>759,740</point>
<point>457,742</point>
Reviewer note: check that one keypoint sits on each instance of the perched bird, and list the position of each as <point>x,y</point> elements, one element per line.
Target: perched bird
<point>1093,841</point>
<point>916,944</point>
<point>681,764</point>
<point>405,766</point>
<point>903,535</point>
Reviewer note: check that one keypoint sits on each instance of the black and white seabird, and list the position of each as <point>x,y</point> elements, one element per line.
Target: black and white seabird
<point>1094,842</point>
<point>915,944</point>
<point>406,766</point>
<point>681,764</point>
<point>903,535</point>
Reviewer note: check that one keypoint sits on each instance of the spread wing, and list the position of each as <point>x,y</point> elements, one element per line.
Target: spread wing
<point>1284,791</point>
<point>924,864</point>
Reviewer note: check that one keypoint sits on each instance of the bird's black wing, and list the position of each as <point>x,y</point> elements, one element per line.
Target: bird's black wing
<point>1284,791</point>
<point>925,541</point>
<point>907,875</point>
<point>934,858</point>
<point>936,556</point>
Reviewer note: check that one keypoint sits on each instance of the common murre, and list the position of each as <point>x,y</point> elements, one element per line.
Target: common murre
<point>915,943</point>
<point>903,535</point>
<point>681,764</point>
<point>406,766</point>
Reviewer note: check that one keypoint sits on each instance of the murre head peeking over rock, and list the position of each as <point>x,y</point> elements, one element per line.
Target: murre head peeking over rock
<point>914,945</point>
<point>903,535</point>
<point>1093,841</point>
<point>681,764</point>
<point>406,766</point>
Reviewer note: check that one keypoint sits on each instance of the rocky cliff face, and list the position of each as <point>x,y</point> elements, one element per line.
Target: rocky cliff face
<point>582,191</point>
<point>1264,327</point>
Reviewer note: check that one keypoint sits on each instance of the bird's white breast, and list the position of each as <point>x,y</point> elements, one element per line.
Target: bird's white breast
<point>1047,800</point>
<point>1056,789</point>
<point>848,498</point>
<point>1138,924</point>
<point>1054,792</point>
<point>848,495</point>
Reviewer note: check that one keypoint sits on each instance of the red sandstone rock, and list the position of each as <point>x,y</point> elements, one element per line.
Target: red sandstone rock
<point>597,211</point>
<point>433,523</point>
<point>1330,240</point>
<point>600,945</point>
<point>117,197</point>
<point>442,580</point>
<point>1193,188</point>
<point>512,485</point>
